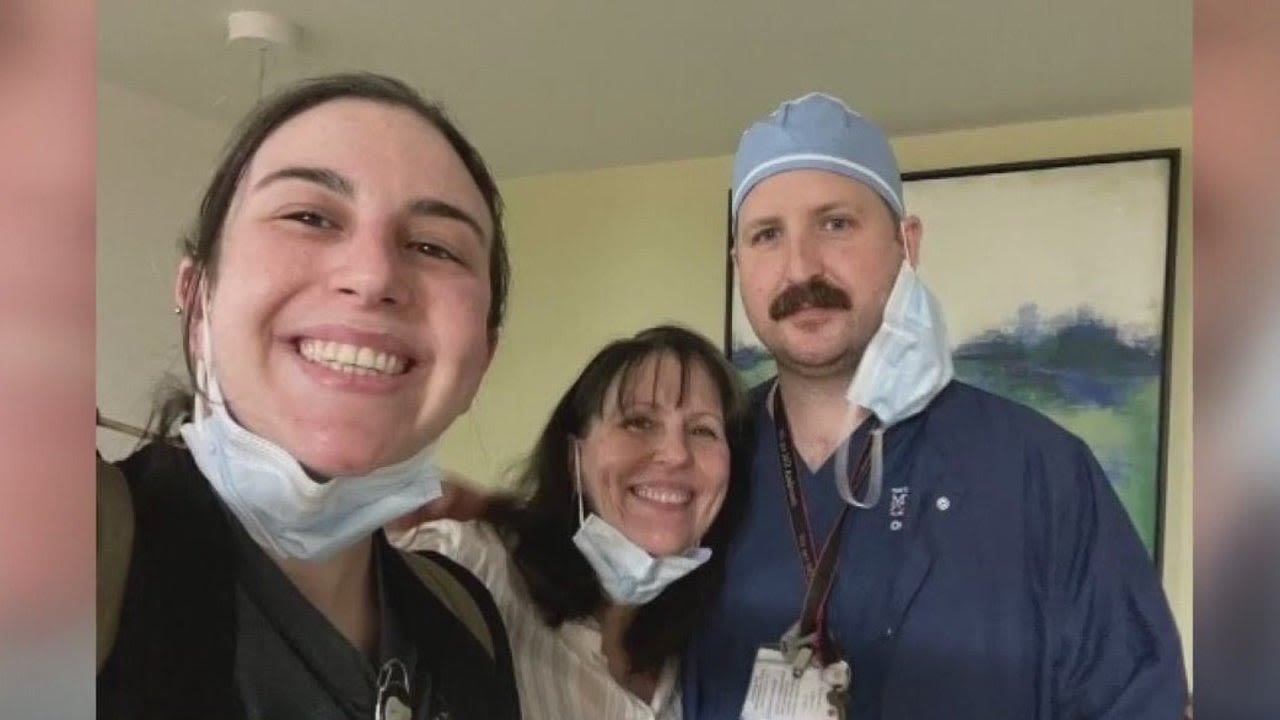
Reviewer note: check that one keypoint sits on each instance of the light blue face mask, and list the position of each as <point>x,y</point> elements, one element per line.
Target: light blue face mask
<point>628,574</point>
<point>280,506</point>
<point>905,366</point>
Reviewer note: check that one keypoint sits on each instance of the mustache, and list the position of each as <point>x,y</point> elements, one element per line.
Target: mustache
<point>813,293</point>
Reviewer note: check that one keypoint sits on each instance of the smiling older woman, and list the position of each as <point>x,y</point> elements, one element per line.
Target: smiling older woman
<point>608,557</point>
<point>341,297</point>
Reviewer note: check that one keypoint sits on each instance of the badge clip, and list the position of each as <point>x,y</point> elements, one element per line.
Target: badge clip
<point>797,650</point>
<point>393,699</point>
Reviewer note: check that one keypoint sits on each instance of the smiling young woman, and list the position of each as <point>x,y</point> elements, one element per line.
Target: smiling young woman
<point>340,301</point>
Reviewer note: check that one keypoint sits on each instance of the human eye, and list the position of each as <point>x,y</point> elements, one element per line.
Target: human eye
<point>311,218</point>
<point>638,421</point>
<point>705,430</point>
<point>838,223</point>
<point>765,234</point>
<point>435,249</point>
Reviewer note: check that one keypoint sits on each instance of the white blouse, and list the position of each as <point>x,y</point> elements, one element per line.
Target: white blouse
<point>561,674</point>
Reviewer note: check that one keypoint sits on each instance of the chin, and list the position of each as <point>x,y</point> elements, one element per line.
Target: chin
<point>326,468</point>
<point>330,461</point>
<point>659,545</point>
<point>815,365</point>
<point>824,357</point>
<point>336,449</point>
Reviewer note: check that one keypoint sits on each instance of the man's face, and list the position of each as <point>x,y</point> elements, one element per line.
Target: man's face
<point>817,255</point>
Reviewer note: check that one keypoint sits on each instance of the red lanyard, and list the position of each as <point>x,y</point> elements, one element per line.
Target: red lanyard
<point>819,571</point>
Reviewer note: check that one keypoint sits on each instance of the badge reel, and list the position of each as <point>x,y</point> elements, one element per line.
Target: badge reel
<point>393,701</point>
<point>788,683</point>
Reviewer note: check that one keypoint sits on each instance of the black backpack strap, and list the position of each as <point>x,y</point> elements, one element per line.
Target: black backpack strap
<point>450,588</point>
<point>115,548</point>
<point>173,653</point>
<point>469,601</point>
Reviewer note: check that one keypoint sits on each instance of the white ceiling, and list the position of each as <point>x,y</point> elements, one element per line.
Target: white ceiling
<point>542,85</point>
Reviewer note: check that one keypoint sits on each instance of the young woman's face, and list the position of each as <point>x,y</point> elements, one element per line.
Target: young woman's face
<point>348,309</point>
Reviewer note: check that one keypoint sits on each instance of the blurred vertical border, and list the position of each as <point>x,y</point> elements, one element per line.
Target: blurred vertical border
<point>48,57</point>
<point>1236,176</point>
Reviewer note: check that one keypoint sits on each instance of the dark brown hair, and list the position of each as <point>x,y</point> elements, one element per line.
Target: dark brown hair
<point>202,245</point>
<point>540,524</point>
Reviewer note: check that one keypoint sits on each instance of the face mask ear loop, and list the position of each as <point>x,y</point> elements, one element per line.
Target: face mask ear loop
<point>876,479</point>
<point>875,476</point>
<point>207,390</point>
<point>577,480</point>
<point>842,469</point>
<point>906,246</point>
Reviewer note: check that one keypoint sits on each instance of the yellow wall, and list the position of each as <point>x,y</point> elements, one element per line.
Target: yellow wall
<point>603,253</point>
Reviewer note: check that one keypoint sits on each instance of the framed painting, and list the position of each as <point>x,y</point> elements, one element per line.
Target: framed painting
<point>1056,281</point>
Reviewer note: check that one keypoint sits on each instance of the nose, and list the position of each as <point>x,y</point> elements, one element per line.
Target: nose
<point>803,259</point>
<point>672,447</point>
<point>369,268</point>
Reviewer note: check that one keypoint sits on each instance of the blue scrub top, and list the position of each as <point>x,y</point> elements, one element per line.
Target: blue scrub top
<point>998,577</point>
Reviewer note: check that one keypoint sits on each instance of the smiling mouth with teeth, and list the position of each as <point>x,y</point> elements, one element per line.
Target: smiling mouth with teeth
<point>352,359</point>
<point>664,496</point>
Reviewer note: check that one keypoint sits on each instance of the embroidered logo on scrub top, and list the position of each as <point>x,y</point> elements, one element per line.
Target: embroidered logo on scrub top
<point>897,506</point>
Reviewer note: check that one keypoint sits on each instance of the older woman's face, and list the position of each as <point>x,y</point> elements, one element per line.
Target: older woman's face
<point>349,305</point>
<point>656,468</point>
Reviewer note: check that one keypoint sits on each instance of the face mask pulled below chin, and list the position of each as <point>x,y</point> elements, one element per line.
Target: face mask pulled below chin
<point>280,506</point>
<point>905,366</point>
<point>628,574</point>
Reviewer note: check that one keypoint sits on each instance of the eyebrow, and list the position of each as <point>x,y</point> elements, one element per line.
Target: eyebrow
<point>774,220</point>
<point>839,205</point>
<point>651,405</point>
<point>338,183</point>
<point>425,207</point>
<point>326,178</point>
<point>758,223</point>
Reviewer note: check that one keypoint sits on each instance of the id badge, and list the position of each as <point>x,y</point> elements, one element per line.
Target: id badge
<point>777,692</point>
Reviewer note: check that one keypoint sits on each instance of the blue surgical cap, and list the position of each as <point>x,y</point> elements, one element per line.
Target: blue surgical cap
<point>817,132</point>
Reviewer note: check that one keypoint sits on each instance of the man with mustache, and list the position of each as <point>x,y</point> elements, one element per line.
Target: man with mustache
<point>914,547</point>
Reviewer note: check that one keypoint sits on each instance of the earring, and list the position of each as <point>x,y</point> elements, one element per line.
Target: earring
<point>177,309</point>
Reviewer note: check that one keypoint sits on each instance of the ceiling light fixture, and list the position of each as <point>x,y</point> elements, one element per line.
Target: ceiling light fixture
<point>263,32</point>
